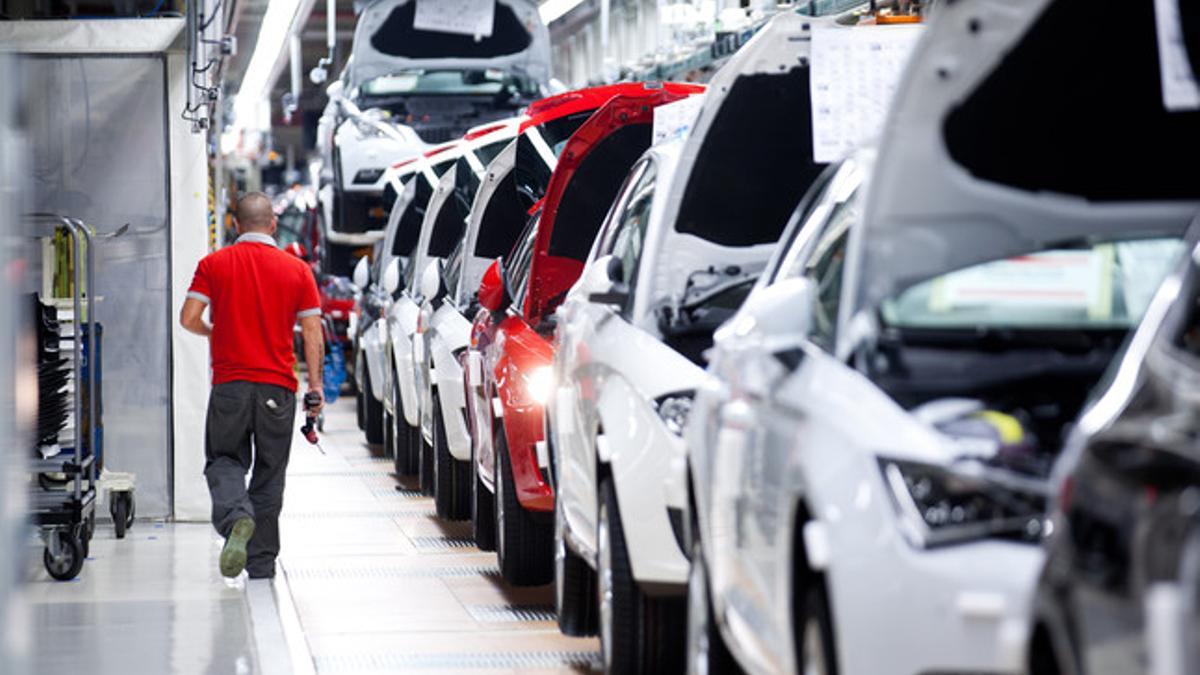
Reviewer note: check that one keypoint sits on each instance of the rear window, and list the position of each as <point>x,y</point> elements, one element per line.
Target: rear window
<point>587,199</point>
<point>755,164</point>
<point>408,230</point>
<point>1077,109</point>
<point>397,37</point>
<point>532,173</point>
<point>447,229</point>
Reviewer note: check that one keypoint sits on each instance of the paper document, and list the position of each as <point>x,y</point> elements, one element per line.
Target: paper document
<point>464,17</point>
<point>854,76</point>
<point>1179,88</point>
<point>676,118</point>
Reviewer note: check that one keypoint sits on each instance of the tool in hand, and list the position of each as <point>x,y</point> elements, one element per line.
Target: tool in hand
<point>311,400</point>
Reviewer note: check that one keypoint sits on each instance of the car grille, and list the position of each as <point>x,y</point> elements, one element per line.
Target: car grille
<point>439,134</point>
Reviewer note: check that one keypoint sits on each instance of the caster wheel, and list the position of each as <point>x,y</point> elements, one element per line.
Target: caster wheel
<point>69,561</point>
<point>120,513</point>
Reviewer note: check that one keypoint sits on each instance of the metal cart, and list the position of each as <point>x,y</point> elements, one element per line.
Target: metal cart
<point>63,509</point>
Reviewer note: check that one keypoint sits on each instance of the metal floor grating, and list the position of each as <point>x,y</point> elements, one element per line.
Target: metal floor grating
<point>511,613</point>
<point>442,543</point>
<point>396,491</point>
<point>494,661</point>
<point>388,572</point>
<point>407,512</point>
<point>338,473</point>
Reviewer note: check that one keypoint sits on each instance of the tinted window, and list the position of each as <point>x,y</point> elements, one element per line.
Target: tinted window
<point>755,163</point>
<point>516,269</point>
<point>408,230</point>
<point>448,229</point>
<point>587,199</point>
<point>532,173</point>
<point>628,238</point>
<point>503,220</point>
<point>1076,108</point>
<point>489,152</point>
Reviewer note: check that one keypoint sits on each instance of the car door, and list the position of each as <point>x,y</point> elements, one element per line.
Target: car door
<point>581,320</point>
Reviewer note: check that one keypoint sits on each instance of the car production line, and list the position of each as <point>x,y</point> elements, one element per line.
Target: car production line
<point>346,528</point>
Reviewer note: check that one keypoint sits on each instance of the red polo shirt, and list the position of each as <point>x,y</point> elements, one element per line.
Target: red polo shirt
<point>255,294</point>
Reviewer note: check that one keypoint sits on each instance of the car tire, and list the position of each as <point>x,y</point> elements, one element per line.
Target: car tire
<point>373,412</point>
<point>425,469</point>
<point>452,487</point>
<point>389,435</point>
<point>405,460</point>
<point>574,583</point>
<point>638,633</point>
<point>359,411</point>
<point>524,547</point>
<point>483,511</point>
<point>814,646</point>
<point>706,650</point>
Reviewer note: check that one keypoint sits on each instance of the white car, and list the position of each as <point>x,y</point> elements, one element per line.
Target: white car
<point>868,473</point>
<point>695,224</point>
<point>406,90</point>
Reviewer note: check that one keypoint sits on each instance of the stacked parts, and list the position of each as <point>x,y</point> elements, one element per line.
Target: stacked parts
<point>54,377</point>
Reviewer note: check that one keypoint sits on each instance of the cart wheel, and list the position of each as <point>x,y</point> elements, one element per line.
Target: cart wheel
<point>85,546</point>
<point>70,559</point>
<point>132,510</point>
<point>89,527</point>
<point>120,514</point>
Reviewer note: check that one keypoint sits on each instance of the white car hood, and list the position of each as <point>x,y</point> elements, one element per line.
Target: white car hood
<point>946,192</point>
<point>516,22</point>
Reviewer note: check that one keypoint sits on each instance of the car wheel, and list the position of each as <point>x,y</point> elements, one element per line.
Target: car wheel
<point>373,412</point>
<point>425,469</point>
<point>389,435</point>
<point>574,583</point>
<point>638,634</point>
<point>706,651</point>
<point>815,648</point>
<point>405,459</point>
<point>524,547</point>
<point>452,487</point>
<point>359,410</point>
<point>483,511</point>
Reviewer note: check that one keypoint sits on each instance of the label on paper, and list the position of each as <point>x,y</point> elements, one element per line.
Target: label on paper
<point>853,79</point>
<point>463,17</point>
<point>1061,279</point>
<point>676,118</point>
<point>1179,89</point>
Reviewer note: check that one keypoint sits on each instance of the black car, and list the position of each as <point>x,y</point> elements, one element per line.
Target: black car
<point>1120,591</point>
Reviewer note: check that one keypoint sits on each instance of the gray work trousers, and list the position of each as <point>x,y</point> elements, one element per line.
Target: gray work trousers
<point>242,415</point>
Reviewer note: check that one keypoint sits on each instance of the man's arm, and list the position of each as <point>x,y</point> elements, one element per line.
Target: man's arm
<point>314,352</point>
<point>191,317</point>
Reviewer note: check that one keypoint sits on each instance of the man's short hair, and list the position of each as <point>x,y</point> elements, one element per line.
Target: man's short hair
<point>255,212</point>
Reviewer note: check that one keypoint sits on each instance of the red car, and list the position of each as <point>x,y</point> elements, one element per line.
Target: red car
<point>511,333</point>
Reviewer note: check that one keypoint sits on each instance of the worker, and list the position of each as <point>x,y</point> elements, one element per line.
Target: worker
<point>255,292</point>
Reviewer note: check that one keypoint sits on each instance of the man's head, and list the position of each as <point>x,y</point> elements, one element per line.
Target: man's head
<point>255,214</point>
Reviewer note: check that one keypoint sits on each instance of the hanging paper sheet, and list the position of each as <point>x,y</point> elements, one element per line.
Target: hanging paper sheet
<point>854,76</point>
<point>464,17</point>
<point>676,118</point>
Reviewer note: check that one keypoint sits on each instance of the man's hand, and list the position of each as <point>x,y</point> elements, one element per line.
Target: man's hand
<point>314,353</point>
<point>314,402</point>
<point>191,317</point>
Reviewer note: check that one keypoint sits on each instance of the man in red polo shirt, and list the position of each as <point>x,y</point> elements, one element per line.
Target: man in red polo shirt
<point>255,292</point>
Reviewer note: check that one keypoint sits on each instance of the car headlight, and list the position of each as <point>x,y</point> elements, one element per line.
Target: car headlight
<point>367,176</point>
<point>674,410</point>
<point>539,383</point>
<point>938,507</point>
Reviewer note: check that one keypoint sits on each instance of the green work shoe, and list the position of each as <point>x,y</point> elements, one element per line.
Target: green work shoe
<point>233,556</point>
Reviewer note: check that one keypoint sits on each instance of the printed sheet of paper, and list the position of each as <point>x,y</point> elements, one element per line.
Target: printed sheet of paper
<point>464,17</point>
<point>854,76</point>
<point>1179,88</point>
<point>676,119</point>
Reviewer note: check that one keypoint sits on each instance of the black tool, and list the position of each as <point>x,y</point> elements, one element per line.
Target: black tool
<point>311,400</point>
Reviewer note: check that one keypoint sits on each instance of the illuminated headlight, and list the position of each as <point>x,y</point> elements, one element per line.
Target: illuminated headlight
<point>674,409</point>
<point>367,176</point>
<point>937,507</point>
<point>539,383</point>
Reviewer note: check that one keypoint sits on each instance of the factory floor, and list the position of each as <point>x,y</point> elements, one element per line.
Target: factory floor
<point>369,581</point>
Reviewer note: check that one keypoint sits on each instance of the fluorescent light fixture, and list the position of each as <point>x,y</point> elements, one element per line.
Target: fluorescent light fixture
<point>261,72</point>
<point>552,10</point>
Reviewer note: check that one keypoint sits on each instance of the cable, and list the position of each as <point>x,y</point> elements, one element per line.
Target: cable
<point>154,12</point>
<point>216,10</point>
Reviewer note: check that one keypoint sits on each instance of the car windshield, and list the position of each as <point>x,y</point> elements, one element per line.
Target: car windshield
<point>446,82</point>
<point>1103,286</point>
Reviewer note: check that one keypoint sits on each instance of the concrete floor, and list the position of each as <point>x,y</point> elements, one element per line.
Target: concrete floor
<point>371,581</point>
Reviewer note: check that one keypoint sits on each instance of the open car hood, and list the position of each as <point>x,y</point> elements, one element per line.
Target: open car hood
<point>385,42</point>
<point>1021,125</point>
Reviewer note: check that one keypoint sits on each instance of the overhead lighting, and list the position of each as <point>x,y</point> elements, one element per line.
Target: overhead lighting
<point>277,24</point>
<point>552,10</point>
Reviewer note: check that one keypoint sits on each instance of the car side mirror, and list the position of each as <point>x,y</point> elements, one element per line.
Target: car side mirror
<point>431,280</point>
<point>391,276</point>
<point>492,295</point>
<point>781,313</point>
<point>362,274</point>
<point>614,291</point>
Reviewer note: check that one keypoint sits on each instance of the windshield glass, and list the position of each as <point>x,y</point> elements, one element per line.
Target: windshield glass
<point>1104,286</point>
<point>447,82</point>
